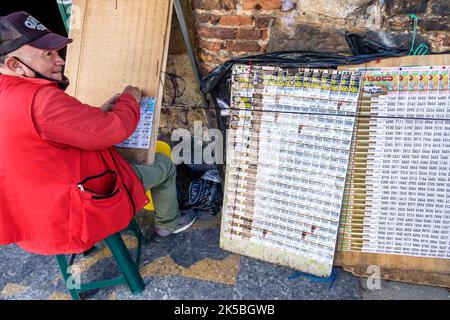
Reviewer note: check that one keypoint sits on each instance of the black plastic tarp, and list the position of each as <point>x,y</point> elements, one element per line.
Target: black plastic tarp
<point>381,41</point>
<point>290,59</point>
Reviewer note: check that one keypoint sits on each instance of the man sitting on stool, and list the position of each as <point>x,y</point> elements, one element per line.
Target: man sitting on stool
<point>61,181</point>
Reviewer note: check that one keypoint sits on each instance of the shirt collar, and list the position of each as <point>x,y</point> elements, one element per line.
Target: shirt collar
<point>8,78</point>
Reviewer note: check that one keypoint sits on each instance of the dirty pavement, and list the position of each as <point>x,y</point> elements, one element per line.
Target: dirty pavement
<point>189,265</point>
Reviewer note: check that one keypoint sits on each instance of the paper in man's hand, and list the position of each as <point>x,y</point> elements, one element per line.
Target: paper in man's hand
<point>140,139</point>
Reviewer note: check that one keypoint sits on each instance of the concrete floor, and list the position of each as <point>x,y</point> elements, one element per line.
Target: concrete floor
<point>189,265</point>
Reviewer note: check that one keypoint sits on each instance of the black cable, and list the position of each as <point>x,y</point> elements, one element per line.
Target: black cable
<point>312,113</point>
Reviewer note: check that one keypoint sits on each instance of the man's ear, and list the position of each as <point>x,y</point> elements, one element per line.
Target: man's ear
<point>14,66</point>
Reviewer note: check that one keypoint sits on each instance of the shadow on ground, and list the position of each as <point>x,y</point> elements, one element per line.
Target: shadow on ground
<point>188,265</point>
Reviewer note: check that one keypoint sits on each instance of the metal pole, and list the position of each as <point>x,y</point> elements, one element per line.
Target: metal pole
<point>187,42</point>
<point>64,9</point>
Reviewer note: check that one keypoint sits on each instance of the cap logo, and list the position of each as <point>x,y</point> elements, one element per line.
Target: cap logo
<point>33,23</point>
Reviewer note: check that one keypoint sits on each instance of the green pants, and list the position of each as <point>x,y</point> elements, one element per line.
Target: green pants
<point>160,178</point>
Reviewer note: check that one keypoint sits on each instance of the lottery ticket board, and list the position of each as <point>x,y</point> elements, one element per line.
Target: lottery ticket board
<point>288,149</point>
<point>397,198</point>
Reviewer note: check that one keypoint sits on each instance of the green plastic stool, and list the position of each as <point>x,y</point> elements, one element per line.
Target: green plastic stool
<point>128,267</point>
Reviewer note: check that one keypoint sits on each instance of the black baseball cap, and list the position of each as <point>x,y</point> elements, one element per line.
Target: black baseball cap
<point>20,28</point>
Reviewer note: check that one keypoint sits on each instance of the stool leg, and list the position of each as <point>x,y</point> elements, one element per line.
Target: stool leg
<point>129,269</point>
<point>137,231</point>
<point>63,265</point>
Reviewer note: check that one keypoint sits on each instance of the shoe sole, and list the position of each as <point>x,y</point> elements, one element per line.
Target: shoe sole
<point>186,226</point>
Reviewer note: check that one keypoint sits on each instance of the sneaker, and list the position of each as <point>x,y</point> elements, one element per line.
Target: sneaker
<point>187,219</point>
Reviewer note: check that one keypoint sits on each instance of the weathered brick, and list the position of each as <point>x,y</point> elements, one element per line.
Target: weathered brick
<point>264,47</point>
<point>248,34</point>
<point>211,45</point>
<point>264,34</point>
<point>263,21</point>
<point>206,18</point>
<point>214,19</point>
<point>247,46</point>
<point>212,58</point>
<point>218,33</point>
<point>236,20</point>
<point>206,4</point>
<point>395,7</point>
<point>261,4</point>
<point>214,4</point>
<point>229,21</point>
<point>202,17</point>
<point>229,4</point>
<point>205,56</point>
<point>220,59</point>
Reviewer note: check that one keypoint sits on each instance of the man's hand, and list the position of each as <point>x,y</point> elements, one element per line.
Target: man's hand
<point>108,105</point>
<point>135,92</point>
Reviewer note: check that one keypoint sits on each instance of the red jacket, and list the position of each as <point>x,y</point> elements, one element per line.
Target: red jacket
<point>62,186</point>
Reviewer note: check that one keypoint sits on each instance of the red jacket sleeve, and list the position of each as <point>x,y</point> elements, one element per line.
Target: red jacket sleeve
<point>64,121</point>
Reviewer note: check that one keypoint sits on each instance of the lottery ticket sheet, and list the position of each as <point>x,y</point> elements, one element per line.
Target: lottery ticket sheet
<point>288,149</point>
<point>397,198</point>
<point>140,139</point>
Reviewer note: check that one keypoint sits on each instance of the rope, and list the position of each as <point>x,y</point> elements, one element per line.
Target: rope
<point>422,48</point>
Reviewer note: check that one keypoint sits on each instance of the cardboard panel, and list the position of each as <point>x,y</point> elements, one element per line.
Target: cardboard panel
<point>421,270</point>
<point>118,43</point>
<point>428,60</point>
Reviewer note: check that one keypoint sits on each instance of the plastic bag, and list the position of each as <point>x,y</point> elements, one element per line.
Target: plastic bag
<point>371,42</point>
<point>205,193</point>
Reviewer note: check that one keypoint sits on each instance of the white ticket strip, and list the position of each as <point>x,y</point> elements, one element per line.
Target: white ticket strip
<point>398,192</point>
<point>287,157</point>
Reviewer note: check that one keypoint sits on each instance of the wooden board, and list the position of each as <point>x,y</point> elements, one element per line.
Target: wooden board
<point>118,43</point>
<point>429,271</point>
<point>428,60</point>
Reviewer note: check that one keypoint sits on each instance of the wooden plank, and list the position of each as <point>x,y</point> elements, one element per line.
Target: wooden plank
<point>409,276</point>
<point>160,94</point>
<point>120,43</point>
<point>420,270</point>
<point>393,261</point>
<point>428,60</point>
<point>73,56</point>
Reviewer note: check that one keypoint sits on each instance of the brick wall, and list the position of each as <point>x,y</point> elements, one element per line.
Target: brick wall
<point>230,28</point>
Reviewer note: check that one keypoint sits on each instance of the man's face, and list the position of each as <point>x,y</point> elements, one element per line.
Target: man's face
<point>46,62</point>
